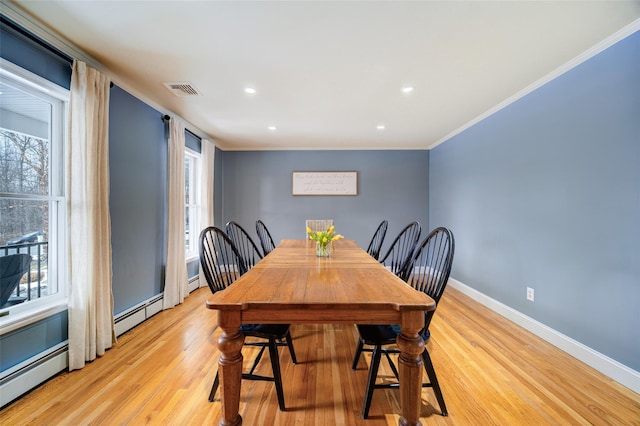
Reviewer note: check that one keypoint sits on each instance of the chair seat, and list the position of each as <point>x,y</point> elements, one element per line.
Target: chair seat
<point>265,331</point>
<point>377,335</point>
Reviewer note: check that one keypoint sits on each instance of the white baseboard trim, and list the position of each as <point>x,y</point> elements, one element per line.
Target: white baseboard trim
<point>607,366</point>
<point>32,372</point>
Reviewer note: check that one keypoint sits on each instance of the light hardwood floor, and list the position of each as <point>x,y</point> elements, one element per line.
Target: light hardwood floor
<point>491,371</point>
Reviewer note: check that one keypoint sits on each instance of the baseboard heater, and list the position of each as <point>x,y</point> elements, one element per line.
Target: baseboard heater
<point>130,318</point>
<point>139,313</point>
<point>32,372</point>
<point>194,283</point>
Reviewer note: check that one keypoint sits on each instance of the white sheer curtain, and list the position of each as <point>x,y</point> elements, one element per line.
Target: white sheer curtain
<point>176,281</point>
<point>91,326</point>
<point>206,191</point>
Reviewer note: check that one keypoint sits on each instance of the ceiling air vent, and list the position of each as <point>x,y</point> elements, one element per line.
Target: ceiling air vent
<point>182,89</point>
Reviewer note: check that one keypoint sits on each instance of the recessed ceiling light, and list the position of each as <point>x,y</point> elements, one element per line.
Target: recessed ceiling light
<point>272,128</point>
<point>407,89</point>
<point>380,127</point>
<point>250,90</point>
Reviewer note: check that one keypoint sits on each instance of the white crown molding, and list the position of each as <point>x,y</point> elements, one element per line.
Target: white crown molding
<point>593,51</point>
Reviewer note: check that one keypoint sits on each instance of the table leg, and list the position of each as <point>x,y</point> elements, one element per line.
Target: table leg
<point>411,346</point>
<point>230,368</point>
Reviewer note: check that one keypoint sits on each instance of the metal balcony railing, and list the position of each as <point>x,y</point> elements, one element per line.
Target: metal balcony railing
<point>34,283</point>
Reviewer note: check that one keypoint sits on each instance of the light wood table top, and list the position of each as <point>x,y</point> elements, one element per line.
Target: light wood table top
<point>292,285</point>
<point>293,277</point>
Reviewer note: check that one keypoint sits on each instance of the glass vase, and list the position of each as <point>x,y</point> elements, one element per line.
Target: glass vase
<point>323,250</point>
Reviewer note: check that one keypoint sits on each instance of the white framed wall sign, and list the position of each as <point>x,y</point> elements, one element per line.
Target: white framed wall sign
<point>325,183</point>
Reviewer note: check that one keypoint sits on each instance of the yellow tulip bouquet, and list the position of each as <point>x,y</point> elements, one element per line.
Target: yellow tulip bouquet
<point>323,240</point>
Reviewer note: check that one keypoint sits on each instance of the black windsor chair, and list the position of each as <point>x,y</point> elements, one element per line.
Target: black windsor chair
<point>222,265</point>
<point>378,238</point>
<point>265,237</point>
<point>401,249</point>
<point>244,244</point>
<point>428,272</point>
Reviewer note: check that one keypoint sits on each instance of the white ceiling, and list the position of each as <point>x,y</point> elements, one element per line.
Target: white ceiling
<point>327,73</point>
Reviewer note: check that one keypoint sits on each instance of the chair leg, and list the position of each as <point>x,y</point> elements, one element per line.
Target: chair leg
<point>392,364</point>
<point>356,358</point>
<point>290,346</point>
<point>371,382</point>
<point>214,388</point>
<point>258,357</point>
<point>431,372</point>
<point>275,365</point>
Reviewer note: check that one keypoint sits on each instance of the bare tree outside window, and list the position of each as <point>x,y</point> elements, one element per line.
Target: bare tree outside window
<point>24,169</point>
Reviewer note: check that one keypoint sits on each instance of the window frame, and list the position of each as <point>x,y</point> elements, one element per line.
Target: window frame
<point>192,251</point>
<point>20,315</point>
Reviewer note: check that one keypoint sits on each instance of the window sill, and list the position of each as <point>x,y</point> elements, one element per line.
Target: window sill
<point>17,320</point>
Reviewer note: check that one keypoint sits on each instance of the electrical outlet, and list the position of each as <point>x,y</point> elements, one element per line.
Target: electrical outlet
<point>530,294</point>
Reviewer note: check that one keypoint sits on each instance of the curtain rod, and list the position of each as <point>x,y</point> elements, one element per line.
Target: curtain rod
<point>37,40</point>
<point>9,23</point>
<point>166,118</point>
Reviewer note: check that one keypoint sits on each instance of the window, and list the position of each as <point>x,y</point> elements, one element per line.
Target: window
<point>32,202</point>
<point>192,203</point>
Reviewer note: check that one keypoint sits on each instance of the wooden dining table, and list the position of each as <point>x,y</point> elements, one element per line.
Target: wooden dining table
<point>292,285</point>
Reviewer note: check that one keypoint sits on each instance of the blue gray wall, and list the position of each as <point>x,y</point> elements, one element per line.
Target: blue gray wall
<point>392,185</point>
<point>546,194</point>
<point>137,202</point>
